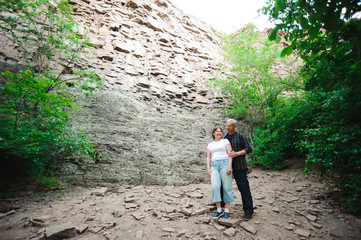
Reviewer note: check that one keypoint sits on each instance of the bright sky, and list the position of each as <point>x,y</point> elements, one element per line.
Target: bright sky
<point>226,15</point>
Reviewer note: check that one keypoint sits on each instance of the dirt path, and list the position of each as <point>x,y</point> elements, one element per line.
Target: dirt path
<point>288,206</point>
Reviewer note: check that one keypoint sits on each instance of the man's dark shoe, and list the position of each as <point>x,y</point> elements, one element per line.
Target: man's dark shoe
<point>226,215</point>
<point>247,217</point>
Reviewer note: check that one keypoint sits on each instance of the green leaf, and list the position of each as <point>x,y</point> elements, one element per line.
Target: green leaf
<point>304,22</point>
<point>273,34</point>
<point>313,32</point>
<point>286,51</point>
<point>305,58</point>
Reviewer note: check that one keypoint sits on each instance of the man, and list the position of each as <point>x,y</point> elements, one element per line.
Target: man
<point>240,147</point>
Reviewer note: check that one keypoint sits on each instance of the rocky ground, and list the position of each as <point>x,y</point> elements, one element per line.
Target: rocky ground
<point>288,204</point>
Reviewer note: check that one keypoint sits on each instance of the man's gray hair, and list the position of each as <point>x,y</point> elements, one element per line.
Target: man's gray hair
<point>232,121</point>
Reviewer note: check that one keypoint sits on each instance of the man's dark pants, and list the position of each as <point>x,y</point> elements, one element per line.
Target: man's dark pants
<point>243,186</point>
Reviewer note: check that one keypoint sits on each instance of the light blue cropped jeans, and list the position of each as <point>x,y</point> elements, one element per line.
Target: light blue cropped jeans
<point>218,176</point>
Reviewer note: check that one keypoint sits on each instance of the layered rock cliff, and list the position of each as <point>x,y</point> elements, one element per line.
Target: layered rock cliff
<point>152,48</point>
<point>152,121</point>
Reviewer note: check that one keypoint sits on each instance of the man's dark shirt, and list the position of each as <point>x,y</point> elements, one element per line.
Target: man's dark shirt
<point>239,142</point>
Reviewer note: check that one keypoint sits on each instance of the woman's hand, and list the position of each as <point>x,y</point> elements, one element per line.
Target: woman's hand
<point>229,170</point>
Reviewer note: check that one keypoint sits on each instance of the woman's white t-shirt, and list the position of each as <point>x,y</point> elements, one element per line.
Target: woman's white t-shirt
<point>218,149</point>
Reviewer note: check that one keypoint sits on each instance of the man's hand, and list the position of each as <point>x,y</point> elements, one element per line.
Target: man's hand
<point>232,154</point>
<point>209,172</point>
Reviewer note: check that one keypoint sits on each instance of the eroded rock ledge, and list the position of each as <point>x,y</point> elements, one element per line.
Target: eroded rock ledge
<point>153,48</point>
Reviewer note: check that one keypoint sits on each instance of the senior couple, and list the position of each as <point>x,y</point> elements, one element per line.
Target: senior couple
<point>226,155</point>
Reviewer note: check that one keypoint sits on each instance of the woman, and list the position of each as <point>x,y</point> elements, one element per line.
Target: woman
<point>219,167</point>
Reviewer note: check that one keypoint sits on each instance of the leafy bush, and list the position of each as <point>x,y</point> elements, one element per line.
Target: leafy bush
<point>49,183</point>
<point>33,124</point>
<point>268,151</point>
<point>333,141</point>
<point>281,140</point>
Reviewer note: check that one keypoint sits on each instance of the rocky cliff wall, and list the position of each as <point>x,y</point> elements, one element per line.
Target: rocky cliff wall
<point>152,48</point>
<point>153,119</point>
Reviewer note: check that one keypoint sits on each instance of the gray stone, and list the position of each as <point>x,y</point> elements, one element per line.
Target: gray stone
<point>42,219</point>
<point>202,220</point>
<point>201,211</point>
<point>289,227</point>
<point>100,192</point>
<point>57,232</point>
<point>82,228</point>
<point>131,205</point>
<point>248,227</point>
<point>169,209</point>
<point>96,229</point>
<point>195,195</point>
<point>182,233</point>
<point>171,230</point>
<point>173,216</point>
<point>299,213</point>
<point>7,213</point>
<point>187,212</point>
<point>130,199</point>
<point>311,218</point>
<point>119,213</point>
<point>36,223</point>
<point>219,227</point>
<point>138,215</point>
<point>291,199</point>
<point>275,209</point>
<point>337,235</point>
<point>110,225</point>
<point>230,222</point>
<point>302,233</point>
<point>316,225</point>
<point>230,232</point>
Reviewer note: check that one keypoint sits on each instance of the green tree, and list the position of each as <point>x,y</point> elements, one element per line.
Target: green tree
<point>34,123</point>
<point>253,84</point>
<point>258,87</point>
<point>326,34</point>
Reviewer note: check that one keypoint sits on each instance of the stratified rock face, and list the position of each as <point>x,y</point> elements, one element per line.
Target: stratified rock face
<point>152,48</point>
<point>152,121</point>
